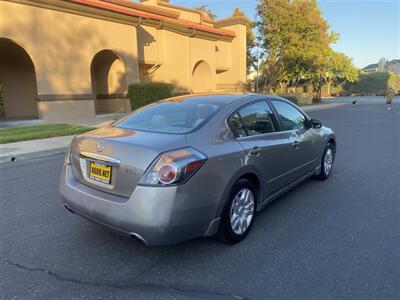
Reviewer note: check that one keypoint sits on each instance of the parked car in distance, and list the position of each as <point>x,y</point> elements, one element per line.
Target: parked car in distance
<point>194,166</point>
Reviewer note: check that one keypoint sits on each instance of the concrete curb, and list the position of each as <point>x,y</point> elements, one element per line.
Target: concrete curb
<point>322,106</point>
<point>10,158</point>
<point>17,151</point>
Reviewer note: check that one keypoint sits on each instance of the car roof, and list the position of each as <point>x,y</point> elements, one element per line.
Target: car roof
<point>223,99</point>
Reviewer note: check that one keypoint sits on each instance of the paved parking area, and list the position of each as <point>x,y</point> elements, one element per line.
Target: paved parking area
<point>323,240</point>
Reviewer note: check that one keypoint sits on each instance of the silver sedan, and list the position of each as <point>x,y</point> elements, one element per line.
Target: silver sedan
<point>194,166</point>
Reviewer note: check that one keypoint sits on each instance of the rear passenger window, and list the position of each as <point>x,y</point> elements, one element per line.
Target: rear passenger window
<point>237,125</point>
<point>253,119</point>
<point>257,118</point>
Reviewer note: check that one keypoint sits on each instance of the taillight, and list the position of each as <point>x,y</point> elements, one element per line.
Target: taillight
<point>174,167</point>
<point>167,174</point>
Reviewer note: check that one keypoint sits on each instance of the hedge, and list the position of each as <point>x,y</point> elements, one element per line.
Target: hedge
<point>291,98</point>
<point>141,94</point>
<point>374,83</point>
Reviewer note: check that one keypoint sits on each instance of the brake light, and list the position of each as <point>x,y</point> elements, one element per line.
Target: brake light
<point>167,174</point>
<point>174,167</point>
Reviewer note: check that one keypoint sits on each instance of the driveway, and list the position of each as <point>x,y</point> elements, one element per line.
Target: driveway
<point>323,240</point>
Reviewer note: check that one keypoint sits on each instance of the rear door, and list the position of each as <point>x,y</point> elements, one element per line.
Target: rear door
<point>301,155</point>
<point>257,131</point>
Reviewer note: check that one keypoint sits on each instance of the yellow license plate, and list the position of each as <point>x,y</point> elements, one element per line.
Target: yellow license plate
<point>100,172</point>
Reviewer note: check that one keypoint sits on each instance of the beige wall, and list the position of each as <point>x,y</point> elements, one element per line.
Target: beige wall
<point>62,46</point>
<point>61,43</point>
<point>62,39</point>
<point>224,55</point>
<point>235,76</point>
<point>175,66</point>
<point>113,105</point>
<point>66,110</point>
<point>148,44</point>
<point>202,65</point>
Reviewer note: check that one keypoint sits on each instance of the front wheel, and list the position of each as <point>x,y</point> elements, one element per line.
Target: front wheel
<point>238,215</point>
<point>327,162</point>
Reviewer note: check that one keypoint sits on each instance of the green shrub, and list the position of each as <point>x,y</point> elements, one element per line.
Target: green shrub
<point>141,94</point>
<point>291,98</point>
<point>374,83</point>
<point>344,93</point>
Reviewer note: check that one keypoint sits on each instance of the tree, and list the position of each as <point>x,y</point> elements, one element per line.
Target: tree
<point>273,18</point>
<point>340,69</point>
<point>250,41</point>
<point>209,12</point>
<point>297,41</point>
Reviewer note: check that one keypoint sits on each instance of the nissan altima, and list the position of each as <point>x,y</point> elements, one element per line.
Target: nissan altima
<point>194,166</point>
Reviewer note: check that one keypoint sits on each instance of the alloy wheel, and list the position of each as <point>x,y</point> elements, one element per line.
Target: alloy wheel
<point>242,211</point>
<point>328,161</point>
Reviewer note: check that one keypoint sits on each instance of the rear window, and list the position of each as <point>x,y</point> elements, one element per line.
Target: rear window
<point>171,117</point>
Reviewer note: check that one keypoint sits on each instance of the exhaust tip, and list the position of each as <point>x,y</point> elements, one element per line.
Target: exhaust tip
<point>138,237</point>
<point>68,208</point>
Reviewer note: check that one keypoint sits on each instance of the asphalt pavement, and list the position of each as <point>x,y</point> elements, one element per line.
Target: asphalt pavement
<point>338,239</point>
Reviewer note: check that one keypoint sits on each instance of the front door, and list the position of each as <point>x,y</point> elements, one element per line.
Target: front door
<point>302,157</point>
<point>267,148</point>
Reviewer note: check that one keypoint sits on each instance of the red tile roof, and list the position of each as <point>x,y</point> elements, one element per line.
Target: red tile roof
<point>142,11</point>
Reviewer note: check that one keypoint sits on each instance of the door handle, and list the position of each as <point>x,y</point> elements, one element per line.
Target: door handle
<point>255,151</point>
<point>296,144</point>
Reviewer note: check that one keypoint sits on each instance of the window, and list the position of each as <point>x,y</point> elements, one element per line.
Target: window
<point>237,125</point>
<point>252,120</point>
<point>171,117</point>
<point>291,117</point>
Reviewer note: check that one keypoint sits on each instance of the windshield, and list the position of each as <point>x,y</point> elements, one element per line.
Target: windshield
<point>171,117</point>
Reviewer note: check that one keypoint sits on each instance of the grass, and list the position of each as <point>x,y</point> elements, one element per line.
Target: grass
<point>34,132</point>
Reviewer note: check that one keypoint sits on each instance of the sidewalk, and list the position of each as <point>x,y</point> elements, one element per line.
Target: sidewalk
<point>32,149</point>
<point>43,147</point>
<point>323,106</point>
<point>99,121</point>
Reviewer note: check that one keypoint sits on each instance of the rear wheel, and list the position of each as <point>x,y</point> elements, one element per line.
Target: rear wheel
<point>327,162</point>
<point>238,215</point>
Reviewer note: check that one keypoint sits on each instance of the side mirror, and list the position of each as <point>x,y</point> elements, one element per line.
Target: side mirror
<point>315,124</point>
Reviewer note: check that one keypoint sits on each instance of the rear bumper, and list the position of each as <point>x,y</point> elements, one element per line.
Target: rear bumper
<point>155,215</point>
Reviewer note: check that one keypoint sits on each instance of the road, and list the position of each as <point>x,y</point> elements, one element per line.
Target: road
<point>323,240</point>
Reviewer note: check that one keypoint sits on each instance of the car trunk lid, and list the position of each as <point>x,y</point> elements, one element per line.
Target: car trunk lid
<point>125,154</point>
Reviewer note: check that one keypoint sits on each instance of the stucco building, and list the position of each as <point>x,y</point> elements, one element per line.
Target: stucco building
<point>63,60</point>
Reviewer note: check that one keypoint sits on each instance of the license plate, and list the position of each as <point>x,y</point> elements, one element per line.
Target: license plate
<point>100,172</point>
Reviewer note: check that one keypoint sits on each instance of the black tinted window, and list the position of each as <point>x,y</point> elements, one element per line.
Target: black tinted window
<point>171,117</point>
<point>257,118</point>
<point>291,117</point>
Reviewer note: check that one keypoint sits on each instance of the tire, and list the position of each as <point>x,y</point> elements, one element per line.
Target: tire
<point>327,160</point>
<point>240,210</point>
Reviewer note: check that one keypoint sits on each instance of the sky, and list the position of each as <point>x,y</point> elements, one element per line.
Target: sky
<point>369,29</point>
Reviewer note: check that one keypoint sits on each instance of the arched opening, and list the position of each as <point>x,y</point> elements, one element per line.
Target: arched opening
<point>18,81</point>
<point>202,78</point>
<point>109,81</point>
